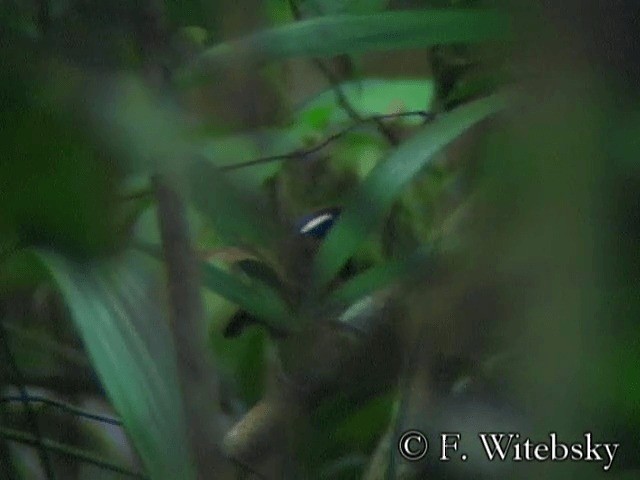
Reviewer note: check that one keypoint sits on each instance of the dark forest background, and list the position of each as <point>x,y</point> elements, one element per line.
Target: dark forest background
<point>165,314</point>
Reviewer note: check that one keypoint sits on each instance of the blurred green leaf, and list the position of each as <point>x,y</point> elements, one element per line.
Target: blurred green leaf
<point>388,178</point>
<point>362,429</point>
<point>229,150</point>
<point>142,127</point>
<point>56,185</point>
<point>192,12</point>
<point>379,277</point>
<point>344,429</point>
<point>254,296</point>
<point>130,346</point>
<point>237,218</point>
<point>343,34</point>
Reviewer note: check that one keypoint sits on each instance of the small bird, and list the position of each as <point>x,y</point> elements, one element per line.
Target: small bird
<point>318,224</point>
<point>310,229</point>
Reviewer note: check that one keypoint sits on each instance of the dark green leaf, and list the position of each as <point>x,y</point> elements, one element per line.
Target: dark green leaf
<point>130,346</point>
<point>255,297</point>
<point>237,218</point>
<point>387,179</point>
<point>379,277</point>
<point>347,34</point>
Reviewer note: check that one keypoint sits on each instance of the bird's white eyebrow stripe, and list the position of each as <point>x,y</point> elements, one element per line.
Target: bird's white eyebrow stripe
<point>310,225</point>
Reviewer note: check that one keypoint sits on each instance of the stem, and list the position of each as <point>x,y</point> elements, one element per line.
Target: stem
<point>196,373</point>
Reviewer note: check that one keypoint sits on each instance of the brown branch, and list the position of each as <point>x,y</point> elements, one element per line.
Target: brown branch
<point>197,375</point>
<point>300,154</point>
<point>342,99</point>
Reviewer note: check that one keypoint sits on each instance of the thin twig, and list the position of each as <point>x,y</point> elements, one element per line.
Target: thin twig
<point>32,418</point>
<point>342,99</point>
<point>64,407</point>
<point>331,138</point>
<point>67,451</point>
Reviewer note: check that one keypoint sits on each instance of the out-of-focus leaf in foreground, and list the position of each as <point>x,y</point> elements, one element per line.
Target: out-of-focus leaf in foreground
<point>387,179</point>
<point>130,346</point>
<point>255,296</point>
<point>237,218</point>
<point>348,34</point>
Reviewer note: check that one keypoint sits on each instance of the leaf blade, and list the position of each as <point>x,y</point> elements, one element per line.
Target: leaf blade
<point>349,34</point>
<point>256,297</point>
<point>388,178</point>
<point>131,348</point>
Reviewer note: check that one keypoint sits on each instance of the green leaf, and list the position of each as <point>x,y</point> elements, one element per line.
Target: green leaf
<point>348,34</point>
<point>379,277</point>
<point>255,297</point>
<point>130,346</point>
<point>385,182</point>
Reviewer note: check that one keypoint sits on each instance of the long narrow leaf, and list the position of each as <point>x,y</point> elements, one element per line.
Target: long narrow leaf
<point>379,277</point>
<point>255,297</point>
<point>130,346</point>
<point>385,182</point>
<point>347,34</point>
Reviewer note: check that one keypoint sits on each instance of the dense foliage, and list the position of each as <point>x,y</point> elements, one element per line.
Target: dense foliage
<point>262,239</point>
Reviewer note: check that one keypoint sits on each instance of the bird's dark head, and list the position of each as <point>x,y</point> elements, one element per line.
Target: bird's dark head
<point>317,224</point>
<point>309,230</point>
